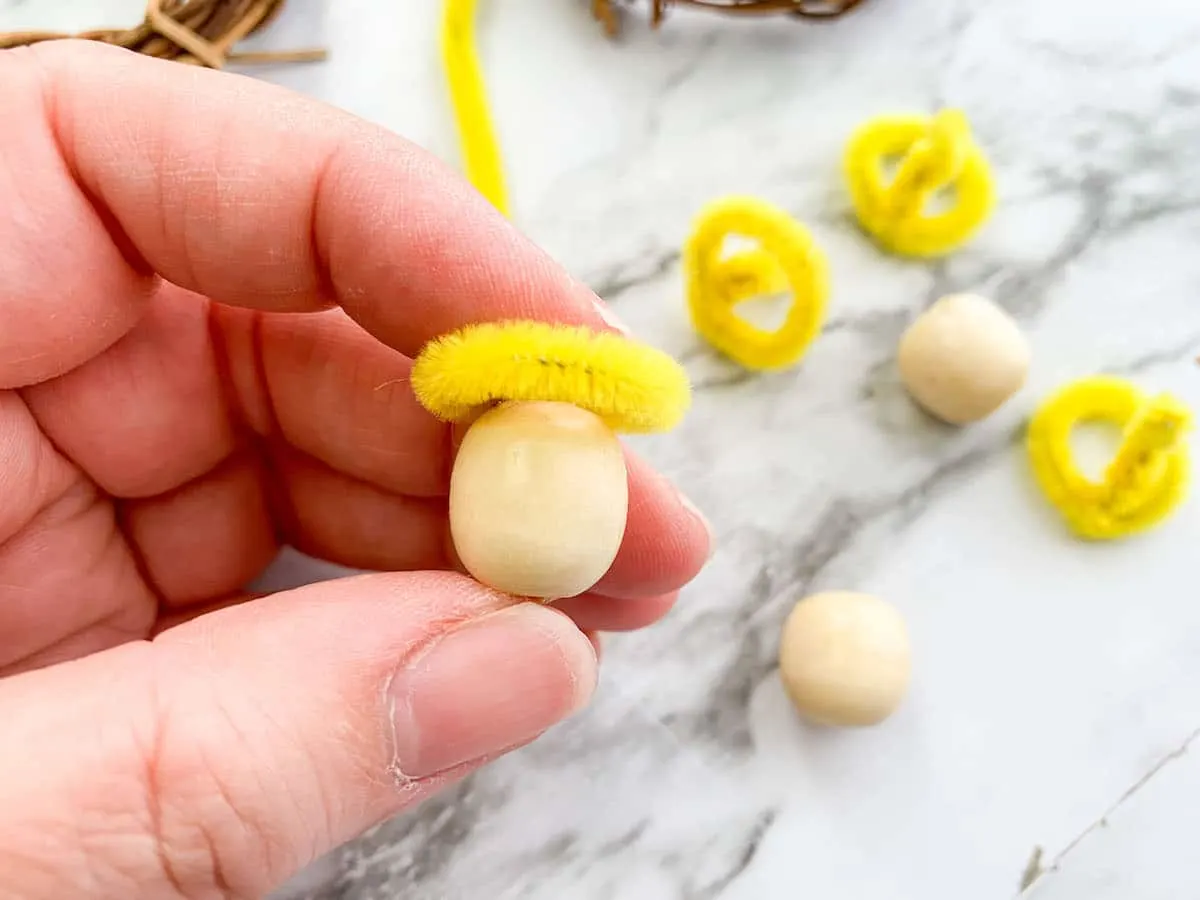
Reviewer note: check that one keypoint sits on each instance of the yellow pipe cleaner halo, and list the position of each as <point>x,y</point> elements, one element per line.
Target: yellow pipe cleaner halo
<point>468,95</point>
<point>1146,479</point>
<point>632,387</point>
<point>786,258</point>
<point>935,154</point>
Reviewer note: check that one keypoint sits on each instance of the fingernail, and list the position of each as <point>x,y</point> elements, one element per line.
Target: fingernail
<point>611,319</point>
<point>694,511</point>
<point>488,686</point>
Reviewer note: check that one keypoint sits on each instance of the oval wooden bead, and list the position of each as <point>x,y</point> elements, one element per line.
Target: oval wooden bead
<point>844,659</point>
<point>538,499</point>
<point>963,358</point>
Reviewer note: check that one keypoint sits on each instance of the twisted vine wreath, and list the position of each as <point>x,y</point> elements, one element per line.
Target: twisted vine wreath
<point>608,12</point>
<point>196,32</point>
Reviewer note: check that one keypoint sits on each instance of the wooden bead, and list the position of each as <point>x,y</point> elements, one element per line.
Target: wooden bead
<point>844,659</point>
<point>538,499</point>
<point>963,358</point>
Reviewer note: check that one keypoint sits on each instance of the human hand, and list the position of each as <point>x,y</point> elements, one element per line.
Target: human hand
<point>210,291</point>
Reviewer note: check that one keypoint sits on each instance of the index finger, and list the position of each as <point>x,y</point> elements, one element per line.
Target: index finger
<point>257,197</point>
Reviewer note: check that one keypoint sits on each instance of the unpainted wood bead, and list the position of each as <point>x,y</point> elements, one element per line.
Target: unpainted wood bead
<point>963,358</point>
<point>538,499</point>
<point>844,658</point>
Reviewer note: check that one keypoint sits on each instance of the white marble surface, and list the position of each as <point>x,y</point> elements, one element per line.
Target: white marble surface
<point>1057,685</point>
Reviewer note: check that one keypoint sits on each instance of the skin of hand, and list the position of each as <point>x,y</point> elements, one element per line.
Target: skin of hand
<point>211,290</point>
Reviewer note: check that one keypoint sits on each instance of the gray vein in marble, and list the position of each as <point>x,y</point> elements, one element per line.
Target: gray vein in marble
<point>1020,289</point>
<point>446,821</point>
<point>962,16</point>
<point>1023,292</point>
<point>749,851</point>
<point>392,861</point>
<point>632,273</point>
<point>1152,359</point>
<point>675,80</point>
<point>1182,42</point>
<point>1024,289</point>
<point>788,570</point>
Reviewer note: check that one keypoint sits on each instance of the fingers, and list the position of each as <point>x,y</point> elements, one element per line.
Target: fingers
<point>213,535</point>
<point>595,612</point>
<point>148,415</point>
<point>184,168</point>
<point>67,291</point>
<point>666,543</point>
<point>217,533</point>
<point>208,538</point>
<point>164,405</point>
<point>355,524</point>
<point>667,540</point>
<point>182,174</point>
<point>342,397</point>
<point>65,575</point>
<point>238,747</point>
<point>66,578</point>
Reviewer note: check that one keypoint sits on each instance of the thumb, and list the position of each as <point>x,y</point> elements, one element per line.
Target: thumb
<point>220,758</point>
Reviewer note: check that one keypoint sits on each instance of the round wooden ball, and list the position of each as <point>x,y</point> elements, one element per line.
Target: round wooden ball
<point>844,658</point>
<point>538,499</point>
<point>963,358</point>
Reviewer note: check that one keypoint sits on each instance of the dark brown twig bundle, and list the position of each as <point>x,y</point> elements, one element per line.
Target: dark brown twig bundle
<point>608,14</point>
<point>198,32</point>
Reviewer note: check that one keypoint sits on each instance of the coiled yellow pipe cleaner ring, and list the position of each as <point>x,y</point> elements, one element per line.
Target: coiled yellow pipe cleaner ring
<point>464,76</point>
<point>632,387</point>
<point>786,258</point>
<point>1147,477</point>
<point>936,153</point>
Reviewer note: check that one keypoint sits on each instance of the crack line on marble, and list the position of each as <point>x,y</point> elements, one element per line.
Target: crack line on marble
<point>1039,876</point>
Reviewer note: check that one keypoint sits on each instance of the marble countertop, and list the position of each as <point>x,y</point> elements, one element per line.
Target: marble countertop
<point>1056,688</point>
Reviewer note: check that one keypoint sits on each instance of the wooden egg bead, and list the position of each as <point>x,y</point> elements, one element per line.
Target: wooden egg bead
<point>538,499</point>
<point>963,358</point>
<point>844,659</point>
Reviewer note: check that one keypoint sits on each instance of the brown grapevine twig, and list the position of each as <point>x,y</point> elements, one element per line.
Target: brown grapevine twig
<point>608,14</point>
<point>196,32</point>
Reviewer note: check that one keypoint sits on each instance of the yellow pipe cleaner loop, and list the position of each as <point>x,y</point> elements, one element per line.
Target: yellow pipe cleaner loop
<point>480,148</point>
<point>632,387</point>
<point>786,258</point>
<point>936,154</point>
<point>1146,479</point>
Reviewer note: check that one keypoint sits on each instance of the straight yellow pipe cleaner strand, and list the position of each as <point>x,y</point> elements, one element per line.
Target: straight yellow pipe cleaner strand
<point>464,77</point>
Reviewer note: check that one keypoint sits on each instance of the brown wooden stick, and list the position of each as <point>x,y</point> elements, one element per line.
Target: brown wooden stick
<point>197,32</point>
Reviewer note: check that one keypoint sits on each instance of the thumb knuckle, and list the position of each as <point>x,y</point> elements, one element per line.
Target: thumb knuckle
<point>212,828</point>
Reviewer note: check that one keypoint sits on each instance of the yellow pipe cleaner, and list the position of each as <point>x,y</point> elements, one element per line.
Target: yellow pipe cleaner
<point>1146,479</point>
<point>480,148</point>
<point>936,153</point>
<point>786,258</point>
<point>632,387</point>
